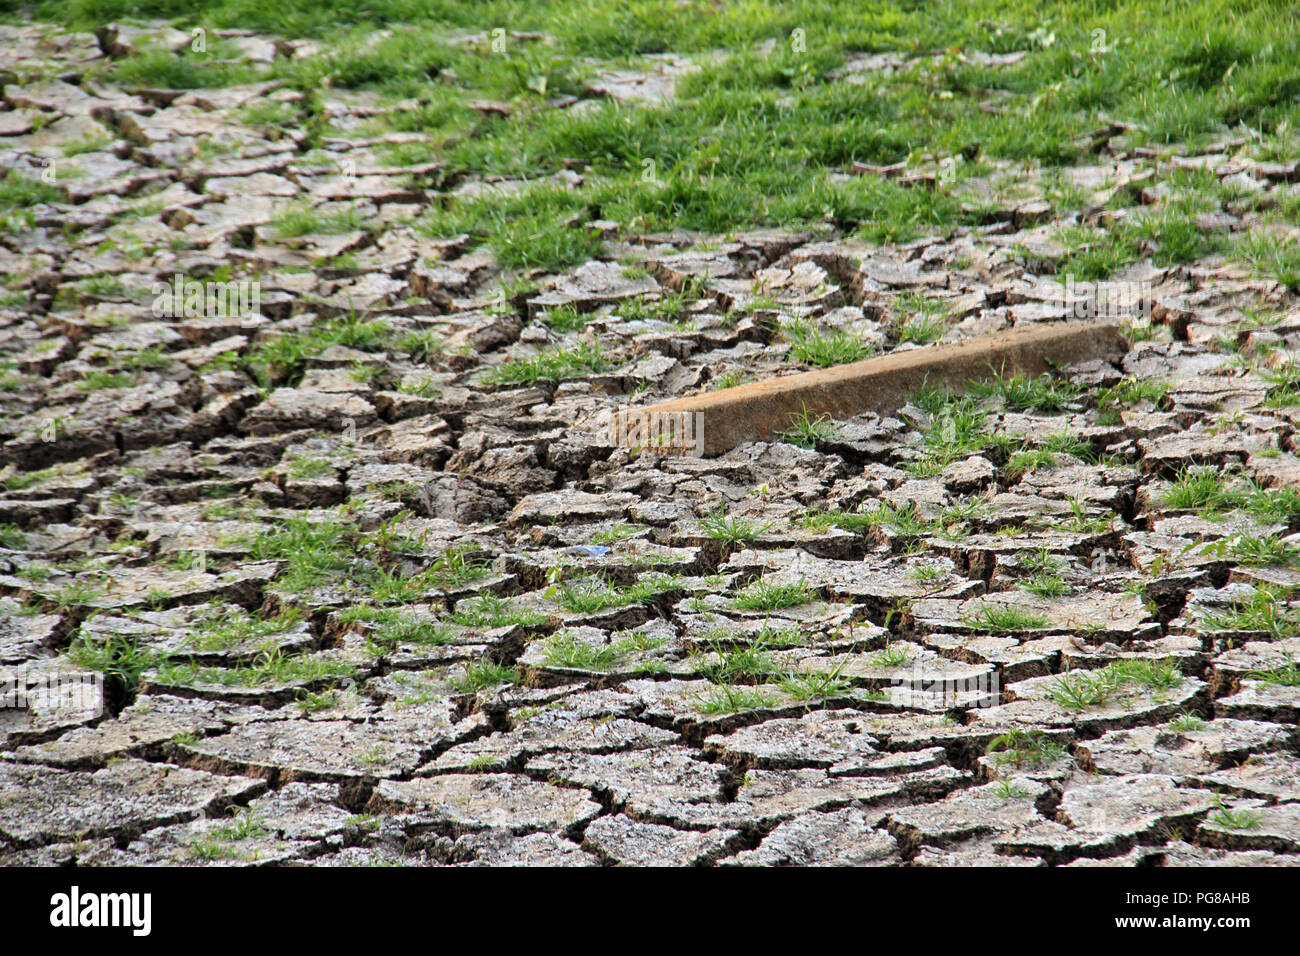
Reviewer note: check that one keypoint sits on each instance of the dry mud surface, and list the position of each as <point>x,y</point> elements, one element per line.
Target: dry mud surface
<point>393,603</point>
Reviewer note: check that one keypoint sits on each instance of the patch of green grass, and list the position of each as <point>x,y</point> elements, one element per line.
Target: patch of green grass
<point>563,319</point>
<point>1020,747</point>
<point>926,575</point>
<point>307,467</point>
<point>1186,723</point>
<point>729,379</point>
<point>1194,489</point>
<point>313,549</point>
<point>269,668</point>
<point>1002,619</point>
<point>394,626</point>
<point>923,320</point>
<point>456,568</point>
<point>741,662</point>
<point>1234,819</point>
<point>1006,790</point>
<point>892,654</point>
<point>1267,504</point>
<point>1264,610</point>
<point>552,366</point>
<point>1283,386</point>
<point>1273,256</point>
<point>481,675</point>
<point>591,595</point>
<point>488,610</point>
<point>1266,550</point>
<point>309,221</point>
<point>1023,393</point>
<point>809,345</point>
<point>1126,394</point>
<point>765,596</point>
<point>616,533</point>
<point>565,650</point>
<point>732,699</point>
<point>230,626</point>
<point>529,230</point>
<point>1285,675</point>
<point>730,530</point>
<point>282,359</point>
<point>955,431</point>
<point>97,379</point>
<point>1044,577</point>
<point>420,345</point>
<point>1080,690</point>
<point>806,431</point>
<point>120,659</point>
<point>1023,462</point>
<point>18,191</point>
<point>809,686</point>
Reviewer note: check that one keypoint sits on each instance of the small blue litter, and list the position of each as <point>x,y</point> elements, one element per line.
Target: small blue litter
<point>590,550</point>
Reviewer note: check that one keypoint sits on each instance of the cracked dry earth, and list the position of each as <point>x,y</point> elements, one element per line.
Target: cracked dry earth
<point>395,598</point>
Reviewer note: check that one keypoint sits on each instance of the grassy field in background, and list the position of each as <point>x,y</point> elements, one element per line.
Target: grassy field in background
<point>753,134</point>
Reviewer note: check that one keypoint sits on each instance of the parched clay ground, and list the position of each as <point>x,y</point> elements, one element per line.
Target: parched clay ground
<point>397,603</point>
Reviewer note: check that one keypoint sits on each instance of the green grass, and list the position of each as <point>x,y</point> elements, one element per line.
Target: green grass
<point>1044,578</point>
<point>1264,610</point>
<point>1194,489</point>
<point>551,366</point>
<point>905,522</point>
<point>488,610</point>
<point>1126,394</point>
<point>18,192</point>
<point>922,329</point>
<point>1267,504</point>
<point>1233,819</point>
<point>1081,690</point>
<point>1187,723</point>
<point>891,655</point>
<point>565,650</point>
<point>563,319</point>
<point>394,626</point>
<point>807,431</point>
<point>1285,675</point>
<point>281,360</point>
<point>305,220</point>
<point>230,626</point>
<point>1283,386</point>
<point>1266,550</point>
<point>955,430</point>
<point>591,595</point>
<point>765,596</point>
<point>729,379</point>
<point>753,135</point>
<point>1026,394</point>
<point>269,668</point>
<point>482,675</point>
<point>810,345</point>
<point>812,686</point>
<point>120,659</point>
<point>741,662</point>
<point>313,550</point>
<point>1023,462</point>
<point>730,530</point>
<point>732,699</point>
<point>1020,747</point>
<point>999,620</point>
<point>616,533</point>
